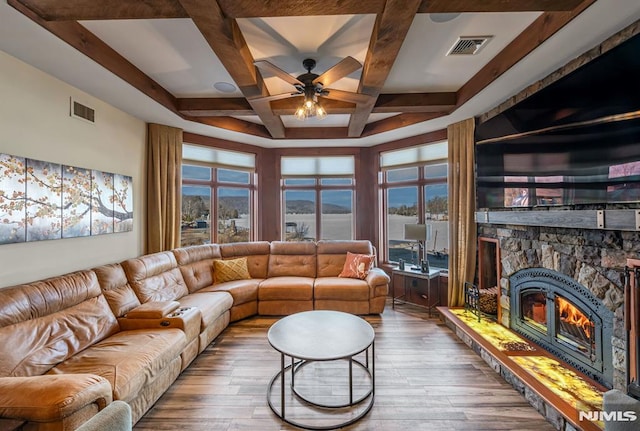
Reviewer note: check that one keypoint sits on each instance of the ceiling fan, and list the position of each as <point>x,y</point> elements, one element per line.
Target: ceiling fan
<point>312,86</point>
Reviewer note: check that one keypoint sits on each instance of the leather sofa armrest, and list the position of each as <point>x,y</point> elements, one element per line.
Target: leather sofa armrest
<point>187,319</point>
<point>153,310</point>
<point>50,398</point>
<point>378,281</point>
<point>377,277</point>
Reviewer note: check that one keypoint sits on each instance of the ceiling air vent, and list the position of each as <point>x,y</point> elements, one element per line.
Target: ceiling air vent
<point>468,45</point>
<point>82,112</point>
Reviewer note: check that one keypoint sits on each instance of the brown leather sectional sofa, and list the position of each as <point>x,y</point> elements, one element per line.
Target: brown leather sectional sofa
<point>72,344</point>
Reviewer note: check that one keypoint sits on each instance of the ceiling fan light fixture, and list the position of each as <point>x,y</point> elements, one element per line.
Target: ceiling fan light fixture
<point>310,108</point>
<point>321,113</point>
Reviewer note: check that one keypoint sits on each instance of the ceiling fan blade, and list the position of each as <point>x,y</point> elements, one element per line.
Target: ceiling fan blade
<point>266,65</point>
<point>346,96</point>
<point>346,66</point>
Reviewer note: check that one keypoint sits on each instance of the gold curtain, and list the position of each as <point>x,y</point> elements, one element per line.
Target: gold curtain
<point>462,204</point>
<point>164,182</point>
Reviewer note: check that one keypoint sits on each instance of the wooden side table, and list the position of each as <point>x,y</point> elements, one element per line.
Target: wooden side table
<point>411,275</point>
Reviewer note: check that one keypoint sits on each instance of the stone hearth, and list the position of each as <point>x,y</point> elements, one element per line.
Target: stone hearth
<point>594,258</point>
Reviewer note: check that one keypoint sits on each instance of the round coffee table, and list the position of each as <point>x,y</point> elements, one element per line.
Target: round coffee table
<point>322,335</point>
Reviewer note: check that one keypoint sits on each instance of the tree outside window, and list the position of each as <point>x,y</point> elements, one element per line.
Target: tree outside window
<point>219,196</point>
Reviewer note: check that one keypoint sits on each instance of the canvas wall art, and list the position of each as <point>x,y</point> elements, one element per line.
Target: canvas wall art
<point>13,191</point>
<point>76,202</point>
<point>101,203</point>
<point>122,203</point>
<point>42,200</point>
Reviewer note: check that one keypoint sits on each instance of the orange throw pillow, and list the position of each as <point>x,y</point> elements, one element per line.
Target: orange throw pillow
<point>357,266</point>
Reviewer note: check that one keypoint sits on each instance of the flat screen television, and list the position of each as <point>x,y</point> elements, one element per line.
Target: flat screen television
<point>576,142</point>
<point>594,163</point>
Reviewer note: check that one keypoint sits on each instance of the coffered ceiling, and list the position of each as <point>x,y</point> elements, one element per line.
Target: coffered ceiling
<point>195,59</point>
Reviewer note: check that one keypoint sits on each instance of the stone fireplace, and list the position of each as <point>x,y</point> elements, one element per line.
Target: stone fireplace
<point>565,318</point>
<point>592,262</point>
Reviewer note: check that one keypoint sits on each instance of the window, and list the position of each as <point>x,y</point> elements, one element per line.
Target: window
<point>413,184</point>
<point>218,187</point>
<point>317,196</point>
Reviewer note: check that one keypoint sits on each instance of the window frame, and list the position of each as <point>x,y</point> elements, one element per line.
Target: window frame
<point>214,185</point>
<point>421,183</point>
<point>317,187</point>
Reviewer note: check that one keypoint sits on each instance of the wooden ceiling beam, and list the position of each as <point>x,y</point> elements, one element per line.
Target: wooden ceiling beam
<point>416,102</point>
<point>316,133</point>
<point>87,43</point>
<point>545,26</point>
<point>453,6</point>
<point>389,32</point>
<point>226,40</point>
<point>386,103</point>
<point>400,120</point>
<point>234,124</point>
<point>78,10</point>
<point>289,106</point>
<point>275,8</point>
<point>214,106</point>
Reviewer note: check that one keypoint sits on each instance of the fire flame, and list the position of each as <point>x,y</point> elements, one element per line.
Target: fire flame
<point>570,314</point>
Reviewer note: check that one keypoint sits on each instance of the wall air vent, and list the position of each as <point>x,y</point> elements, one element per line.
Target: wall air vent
<point>468,45</point>
<point>82,112</point>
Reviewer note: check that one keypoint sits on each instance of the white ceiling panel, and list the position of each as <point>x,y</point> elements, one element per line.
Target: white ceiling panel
<point>423,64</point>
<point>171,51</point>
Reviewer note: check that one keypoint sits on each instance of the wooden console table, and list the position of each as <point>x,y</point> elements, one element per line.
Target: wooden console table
<point>410,279</point>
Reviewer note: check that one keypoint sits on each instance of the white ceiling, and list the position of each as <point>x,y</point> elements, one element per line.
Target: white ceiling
<point>176,55</point>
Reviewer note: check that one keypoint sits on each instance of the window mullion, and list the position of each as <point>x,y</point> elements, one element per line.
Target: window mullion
<point>318,212</point>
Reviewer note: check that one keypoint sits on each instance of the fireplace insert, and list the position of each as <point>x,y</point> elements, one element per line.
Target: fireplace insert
<point>565,318</point>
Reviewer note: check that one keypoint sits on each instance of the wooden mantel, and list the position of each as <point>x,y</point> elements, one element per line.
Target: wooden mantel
<point>622,219</point>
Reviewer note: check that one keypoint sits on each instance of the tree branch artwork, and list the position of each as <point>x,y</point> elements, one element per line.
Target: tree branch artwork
<point>101,203</point>
<point>42,200</point>
<point>76,203</point>
<point>13,202</point>
<point>122,203</point>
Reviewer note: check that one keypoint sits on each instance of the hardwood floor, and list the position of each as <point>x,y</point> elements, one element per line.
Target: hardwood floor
<point>426,379</point>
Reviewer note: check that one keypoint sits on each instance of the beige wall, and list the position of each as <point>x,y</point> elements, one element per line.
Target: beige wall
<point>35,123</point>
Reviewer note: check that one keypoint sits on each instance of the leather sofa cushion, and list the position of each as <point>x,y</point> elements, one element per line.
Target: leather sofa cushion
<point>286,289</point>
<point>41,298</point>
<point>116,289</point>
<point>331,255</point>
<point>211,304</point>
<point>196,264</point>
<point>292,259</point>
<point>242,291</point>
<point>257,254</point>
<point>347,289</point>
<point>51,398</point>
<point>155,277</point>
<point>40,322</point>
<point>129,360</point>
